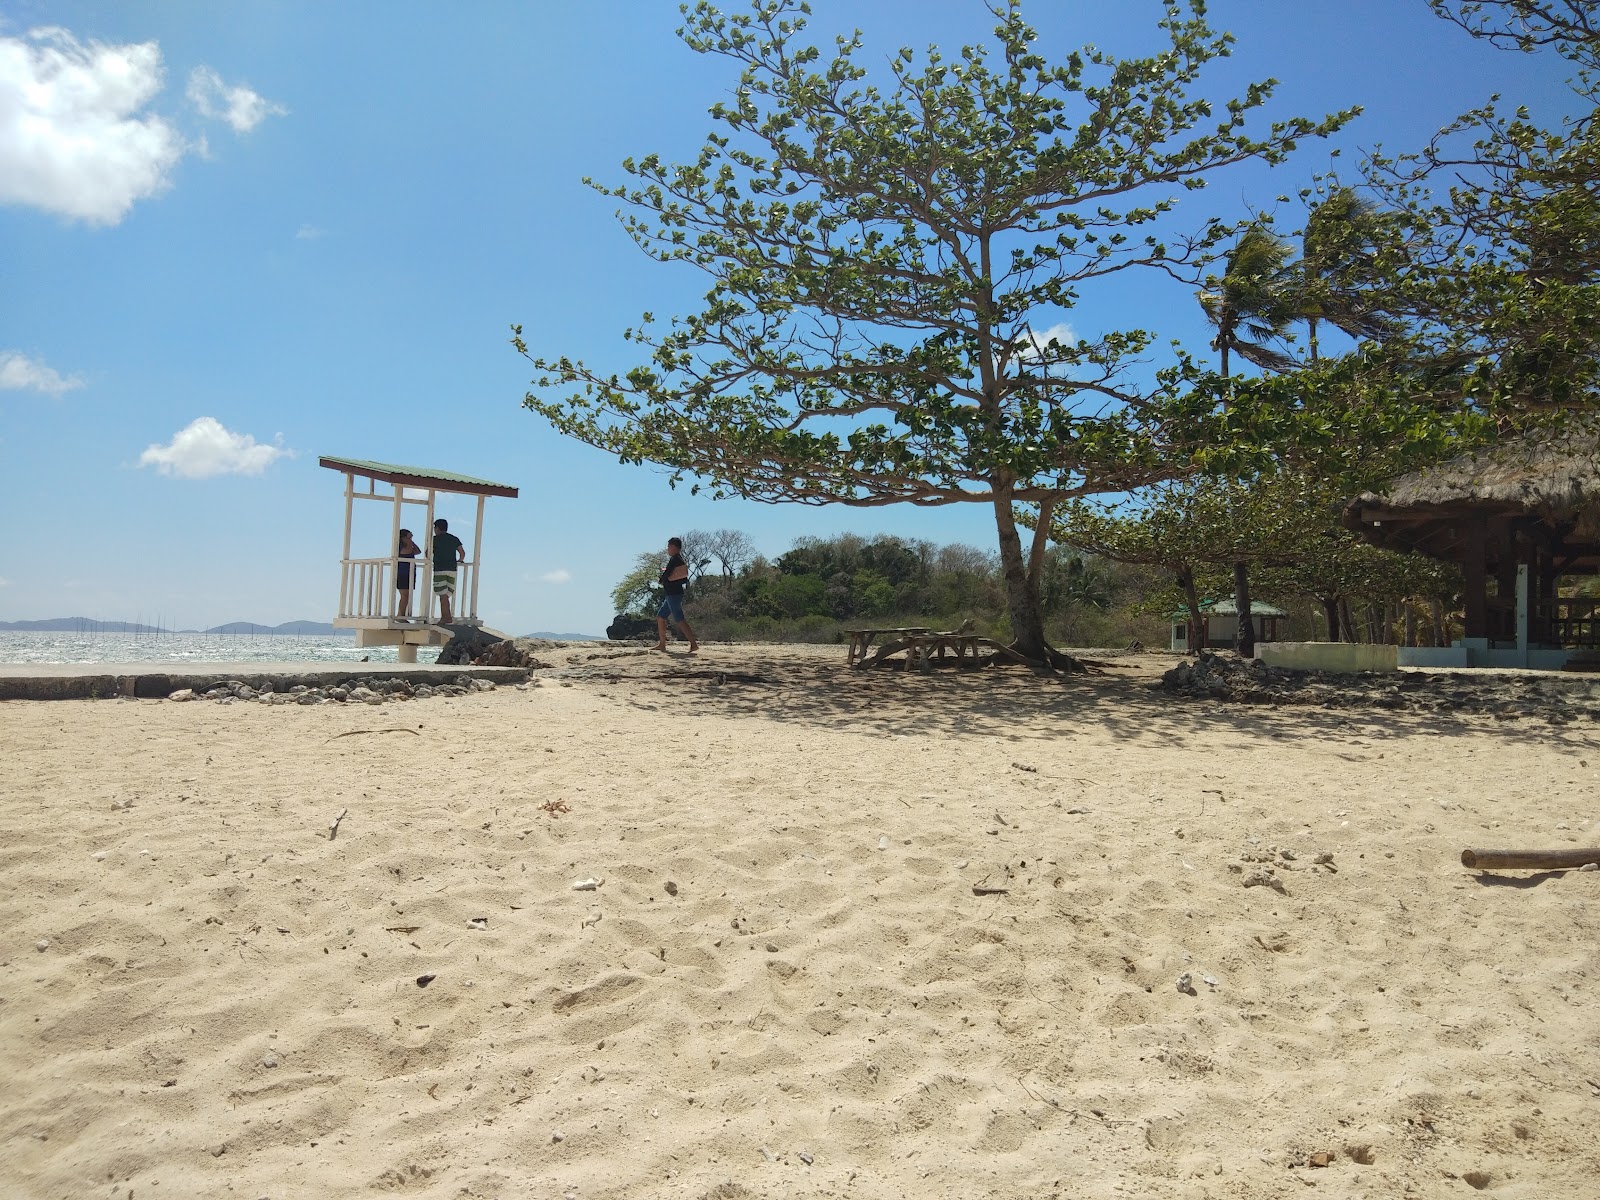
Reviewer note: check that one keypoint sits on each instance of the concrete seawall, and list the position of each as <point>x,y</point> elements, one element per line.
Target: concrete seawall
<point>155,681</point>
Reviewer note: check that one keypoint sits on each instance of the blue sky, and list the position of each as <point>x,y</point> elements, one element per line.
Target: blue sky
<point>241,236</point>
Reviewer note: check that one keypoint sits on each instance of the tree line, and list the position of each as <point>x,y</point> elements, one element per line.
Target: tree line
<point>894,254</point>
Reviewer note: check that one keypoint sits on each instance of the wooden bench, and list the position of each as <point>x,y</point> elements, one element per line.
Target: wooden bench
<point>861,640</point>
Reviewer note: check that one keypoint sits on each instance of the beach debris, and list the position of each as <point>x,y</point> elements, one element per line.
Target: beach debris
<point>181,694</point>
<point>1266,879</point>
<point>219,1150</point>
<point>1529,860</point>
<point>42,945</point>
<point>671,888</point>
<point>592,919</point>
<point>557,1136</point>
<point>1322,1158</point>
<point>1016,766</point>
<point>1590,867</point>
<point>122,805</point>
<point>768,1155</point>
<point>554,807</point>
<point>425,980</point>
<point>587,885</point>
<point>1077,812</point>
<point>333,829</point>
<point>999,819</point>
<point>979,889</point>
<point>479,923</point>
<point>961,864</point>
<point>1209,980</point>
<point>99,856</point>
<point>883,842</point>
<point>388,729</point>
<point>805,1157</point>
<point>1186,984</point>
<point>270,1062</point>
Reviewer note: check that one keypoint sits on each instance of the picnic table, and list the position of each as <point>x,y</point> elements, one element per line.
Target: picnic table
<point>923,647</point>
<point>861,640</point>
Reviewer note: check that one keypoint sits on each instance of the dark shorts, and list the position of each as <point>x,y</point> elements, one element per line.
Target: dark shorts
<point>671,608</point>
<point>402,577</point>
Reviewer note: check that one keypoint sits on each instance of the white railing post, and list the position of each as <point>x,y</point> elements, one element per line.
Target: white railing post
<point>477,557</point>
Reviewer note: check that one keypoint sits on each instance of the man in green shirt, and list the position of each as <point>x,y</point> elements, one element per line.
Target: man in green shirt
<point>448,553</point>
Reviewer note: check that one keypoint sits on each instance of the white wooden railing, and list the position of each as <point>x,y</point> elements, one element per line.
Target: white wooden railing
<point>367,591</point>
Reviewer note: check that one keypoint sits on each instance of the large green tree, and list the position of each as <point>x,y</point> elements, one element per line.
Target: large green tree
<point>893,256</point>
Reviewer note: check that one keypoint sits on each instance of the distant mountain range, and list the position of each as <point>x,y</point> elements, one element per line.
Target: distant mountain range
<point>89,625</point>
<point>288,628</point>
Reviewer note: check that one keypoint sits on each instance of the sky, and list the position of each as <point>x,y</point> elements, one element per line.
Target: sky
<point>238,237</point>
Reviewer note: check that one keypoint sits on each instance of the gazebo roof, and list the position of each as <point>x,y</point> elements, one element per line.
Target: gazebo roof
<point>1549,480</point>
<point>422,477</point>
<point>1227,608</point>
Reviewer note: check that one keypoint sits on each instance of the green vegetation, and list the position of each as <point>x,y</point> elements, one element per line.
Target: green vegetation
<point>822,586</point>
<point>893,262</point>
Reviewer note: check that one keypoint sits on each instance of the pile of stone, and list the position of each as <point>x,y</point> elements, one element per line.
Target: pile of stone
<point>1224,676</point>
<point>367,690</point>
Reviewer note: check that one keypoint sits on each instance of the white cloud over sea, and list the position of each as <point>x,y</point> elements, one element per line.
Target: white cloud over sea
<point>20,373</point>
<point>205,448</point>
<point>559,575</point>
<point>241,107</point>
<point>78,134</point>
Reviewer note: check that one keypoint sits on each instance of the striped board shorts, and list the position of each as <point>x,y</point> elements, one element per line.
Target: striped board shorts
<point>444,583</point>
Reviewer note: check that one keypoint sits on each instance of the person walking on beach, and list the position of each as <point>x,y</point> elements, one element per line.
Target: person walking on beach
<point>674,578</point>
<point>403,582</point>
<point>448,553</point>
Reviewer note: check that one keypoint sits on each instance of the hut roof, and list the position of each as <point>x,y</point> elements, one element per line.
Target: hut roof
<point>1548,481</point>
<point>420,477</point>
<point>1227,608</point>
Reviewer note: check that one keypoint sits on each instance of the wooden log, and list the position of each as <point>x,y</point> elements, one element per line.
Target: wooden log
<point>1529,860</point>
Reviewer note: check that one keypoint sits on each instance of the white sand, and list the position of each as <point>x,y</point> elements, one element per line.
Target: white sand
<point>227,1004</point>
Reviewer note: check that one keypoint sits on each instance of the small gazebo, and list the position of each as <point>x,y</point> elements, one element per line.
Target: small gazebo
<point>1519,515</point>
<point>1219,624</point>
<point>368,598</point>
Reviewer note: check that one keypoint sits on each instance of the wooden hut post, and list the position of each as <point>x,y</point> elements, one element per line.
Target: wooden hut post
<point>392,603</point>
<point>477,555</point>
<point>1476,617</point>
<point>344,559</point>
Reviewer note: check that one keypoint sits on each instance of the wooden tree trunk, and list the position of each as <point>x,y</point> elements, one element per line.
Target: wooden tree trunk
<point>1411,624</point>
<point>1022,599</point>
<point>1330,614</point>
<point>1348,620</point>
<point>1197,625</point>
<point>1246,639</point>
<point>1441,630</point>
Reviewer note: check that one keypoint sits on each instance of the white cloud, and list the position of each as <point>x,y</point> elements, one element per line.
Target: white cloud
<point>242,108</point>
<point>559,575</point>
<point>1038,340</point>
<point>4,582</point>
<point>205,448</point>
<point>72,137</point>
<point>309,233</point>
<point>18,372</point>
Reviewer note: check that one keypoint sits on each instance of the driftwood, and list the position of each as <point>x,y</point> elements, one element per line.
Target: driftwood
<point>333,830</point>
<point>1529,860</point>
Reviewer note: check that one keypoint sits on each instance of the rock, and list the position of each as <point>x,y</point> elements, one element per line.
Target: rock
<point>1322,1158</point>
<point>182,694</point>
<point>1266,879</point>
<point>672,889</point>
<point>270,1062</point>
<point>627,627</point>
<point>424,980</point>
<point>42,945</point>
<point>1186,984</point>
<point>465,645</point>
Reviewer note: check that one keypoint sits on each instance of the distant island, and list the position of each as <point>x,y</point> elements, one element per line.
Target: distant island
<point>89,625</point>
<point>287,629</point>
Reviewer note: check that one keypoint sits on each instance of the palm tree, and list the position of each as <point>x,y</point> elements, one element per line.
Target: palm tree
<point>1255,298</point>
<point>1339,273</point>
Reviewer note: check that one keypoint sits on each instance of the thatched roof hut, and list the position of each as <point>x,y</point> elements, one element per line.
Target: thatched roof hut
<point>1543,491</point>
<point>1530,503</point>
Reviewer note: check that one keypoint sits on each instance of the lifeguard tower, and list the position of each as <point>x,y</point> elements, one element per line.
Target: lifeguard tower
<point>368,598</point>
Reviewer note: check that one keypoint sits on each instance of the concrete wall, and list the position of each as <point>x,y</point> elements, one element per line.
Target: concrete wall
<point>1328,656</point>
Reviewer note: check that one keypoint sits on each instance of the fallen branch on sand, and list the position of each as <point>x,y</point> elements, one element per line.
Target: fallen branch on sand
<point>1529,860</point>
<point>333,830</point>
<point>391,729</point>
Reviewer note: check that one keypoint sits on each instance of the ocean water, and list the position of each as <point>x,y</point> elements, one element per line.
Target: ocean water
<point>20,647</point>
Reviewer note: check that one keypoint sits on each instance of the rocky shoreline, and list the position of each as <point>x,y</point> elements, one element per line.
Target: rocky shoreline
<point>1553,697</point>
<point>367,690</point>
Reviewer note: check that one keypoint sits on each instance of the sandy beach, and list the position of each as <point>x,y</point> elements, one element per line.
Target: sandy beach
<point>787,982</point>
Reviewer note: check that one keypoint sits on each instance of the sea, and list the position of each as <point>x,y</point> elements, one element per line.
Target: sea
<point>30,647</point>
